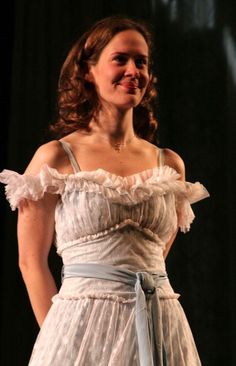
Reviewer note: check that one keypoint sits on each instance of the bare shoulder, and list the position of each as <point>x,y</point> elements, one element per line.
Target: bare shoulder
<point>172,159</point>
<point>51,154</point>
<point>147,146</point>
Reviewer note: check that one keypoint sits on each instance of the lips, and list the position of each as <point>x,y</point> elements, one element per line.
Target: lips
<point>129,85</point>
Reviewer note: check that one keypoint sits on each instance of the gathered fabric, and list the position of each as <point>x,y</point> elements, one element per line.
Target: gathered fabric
<point>148,326</point>
<point>115,306</point>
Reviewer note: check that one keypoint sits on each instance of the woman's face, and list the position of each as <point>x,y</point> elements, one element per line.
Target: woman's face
<point>121,74</point>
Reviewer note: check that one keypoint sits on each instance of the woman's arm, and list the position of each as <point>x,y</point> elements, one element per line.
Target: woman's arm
<point>35,236</point>
<point>169,244</point>
<point>174,160</point>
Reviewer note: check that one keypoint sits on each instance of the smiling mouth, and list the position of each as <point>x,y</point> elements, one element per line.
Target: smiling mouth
<point>130,87</point>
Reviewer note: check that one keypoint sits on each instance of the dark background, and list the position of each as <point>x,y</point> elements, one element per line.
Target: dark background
<point>196,67</point>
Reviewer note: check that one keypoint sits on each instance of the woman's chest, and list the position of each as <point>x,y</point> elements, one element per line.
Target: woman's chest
<point>84,213</point>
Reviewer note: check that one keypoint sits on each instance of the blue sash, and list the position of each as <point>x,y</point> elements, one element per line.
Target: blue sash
<point>148,326</point>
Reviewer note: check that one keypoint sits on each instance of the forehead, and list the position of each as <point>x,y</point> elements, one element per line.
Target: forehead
<point>127,41</point>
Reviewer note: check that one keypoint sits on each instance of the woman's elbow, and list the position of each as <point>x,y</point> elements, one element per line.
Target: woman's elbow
<point>28,265</point>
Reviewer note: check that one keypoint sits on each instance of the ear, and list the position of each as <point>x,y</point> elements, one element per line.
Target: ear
<point>89,75</point>
<point>153,79</point>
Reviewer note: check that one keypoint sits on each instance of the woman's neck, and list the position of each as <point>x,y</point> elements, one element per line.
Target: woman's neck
<point>113,125</point>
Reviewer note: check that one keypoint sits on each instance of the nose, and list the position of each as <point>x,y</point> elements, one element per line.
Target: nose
<point>131,69</point>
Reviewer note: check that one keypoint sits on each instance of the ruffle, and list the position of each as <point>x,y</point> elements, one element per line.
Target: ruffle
<point>114,298</point>
<point>22,186</point>
<point>94,296</point>
<point>129,190</point>
<point>137,189</point>
<point>192,192</point>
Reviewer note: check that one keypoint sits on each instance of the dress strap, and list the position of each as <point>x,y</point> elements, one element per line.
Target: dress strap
<point>69,153</point>
<point>161,157</point>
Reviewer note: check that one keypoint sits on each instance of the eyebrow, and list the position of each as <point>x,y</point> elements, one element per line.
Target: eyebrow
<point>127,54</point>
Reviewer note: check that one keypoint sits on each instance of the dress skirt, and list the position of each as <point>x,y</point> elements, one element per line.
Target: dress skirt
<point>97,327</point>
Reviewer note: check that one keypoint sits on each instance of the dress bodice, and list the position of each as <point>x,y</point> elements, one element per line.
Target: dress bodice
<point>105,218</point>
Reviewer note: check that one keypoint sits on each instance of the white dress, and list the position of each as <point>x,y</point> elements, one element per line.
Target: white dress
<point>121,221</point>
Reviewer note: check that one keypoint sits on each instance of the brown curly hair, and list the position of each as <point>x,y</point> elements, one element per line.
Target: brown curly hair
<point>77,98</point>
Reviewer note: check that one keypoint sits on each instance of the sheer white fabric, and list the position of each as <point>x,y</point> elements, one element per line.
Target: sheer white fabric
<point>122,221</point>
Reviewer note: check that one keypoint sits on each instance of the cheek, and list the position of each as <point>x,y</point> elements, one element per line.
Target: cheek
<point>113,74</point>
<point>147,77</point>
<point>145,80</point>
<point>108,76</point>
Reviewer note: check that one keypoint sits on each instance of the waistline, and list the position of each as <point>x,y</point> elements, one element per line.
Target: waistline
<point>149,328</point>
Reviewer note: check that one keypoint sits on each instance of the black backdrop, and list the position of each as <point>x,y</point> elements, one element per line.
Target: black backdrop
<point>196,67</point>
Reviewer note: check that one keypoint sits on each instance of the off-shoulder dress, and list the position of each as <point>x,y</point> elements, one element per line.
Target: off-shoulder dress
<point>104,223</point>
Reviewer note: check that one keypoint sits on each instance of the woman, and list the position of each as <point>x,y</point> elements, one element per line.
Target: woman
<point>115,202</point>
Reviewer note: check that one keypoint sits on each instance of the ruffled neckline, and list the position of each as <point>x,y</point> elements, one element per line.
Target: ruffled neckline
<point>128,190</point>
<point>103,176</point>
<point>113,176</point>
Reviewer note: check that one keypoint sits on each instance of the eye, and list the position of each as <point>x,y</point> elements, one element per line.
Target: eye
<point>141,62</point>
<point>120,59</point>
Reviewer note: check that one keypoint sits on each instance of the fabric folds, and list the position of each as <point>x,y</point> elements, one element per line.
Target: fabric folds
<point>128,191</point>
<point>23,186</point>
<point>150,339</point>
<point>123,222</point>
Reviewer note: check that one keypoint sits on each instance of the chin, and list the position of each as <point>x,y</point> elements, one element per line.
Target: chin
<point>130,102</point>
